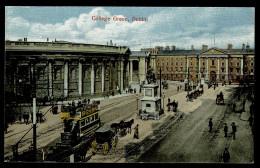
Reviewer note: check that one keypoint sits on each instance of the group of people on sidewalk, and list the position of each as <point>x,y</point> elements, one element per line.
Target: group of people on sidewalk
<point>226,155</point>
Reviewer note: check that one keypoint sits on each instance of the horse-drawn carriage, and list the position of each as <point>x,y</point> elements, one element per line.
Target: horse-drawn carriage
<point>194,95</point>
<point>220,98</point>
<point>105,139</point>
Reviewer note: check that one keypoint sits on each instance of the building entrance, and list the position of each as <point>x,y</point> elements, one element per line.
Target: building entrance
<point>213,76</point>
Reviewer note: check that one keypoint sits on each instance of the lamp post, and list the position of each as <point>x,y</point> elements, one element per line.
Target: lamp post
<point>20,84</point>
<point>163,99</point>
<point>136,101</point>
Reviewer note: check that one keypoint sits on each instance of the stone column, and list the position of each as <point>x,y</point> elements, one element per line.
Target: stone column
<point>92,79</point>
<point>50,88</point>
<point>187,67</point>
<point>199,69</point>
<point>103,77</point>
<point>66,78</point>
<point>218,70</point>
<point>226,75</point>
<point>121,76</point>
<point>241,66</point>
<point>131,70</point>
<point>80,78</point>
<point>207,77</point>
<point>127,72</point>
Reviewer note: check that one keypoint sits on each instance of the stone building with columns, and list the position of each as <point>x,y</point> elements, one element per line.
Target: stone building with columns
<point>64,69</point>
<point>207,64</point>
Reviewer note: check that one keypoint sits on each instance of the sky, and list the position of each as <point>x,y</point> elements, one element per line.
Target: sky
<point>165,26</point>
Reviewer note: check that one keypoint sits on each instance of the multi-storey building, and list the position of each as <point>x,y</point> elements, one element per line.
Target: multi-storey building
<point>207,64</point>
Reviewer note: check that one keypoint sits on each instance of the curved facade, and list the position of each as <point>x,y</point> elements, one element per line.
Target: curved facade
<point>64,69</point>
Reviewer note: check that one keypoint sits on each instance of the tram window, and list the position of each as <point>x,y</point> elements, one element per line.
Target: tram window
<point>96,116</point>
<point>87,120</point>
<point>83,123</point>
<point>91,118</point>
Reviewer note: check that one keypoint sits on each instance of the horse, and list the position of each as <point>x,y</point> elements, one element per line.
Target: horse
<point>126,125</point>
<point>115,126</point>
<point>82,152</point>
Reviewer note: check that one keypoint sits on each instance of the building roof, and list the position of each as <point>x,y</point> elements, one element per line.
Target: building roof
<point>180,52</point>
<point>197,52</point>
<point>139,54</point>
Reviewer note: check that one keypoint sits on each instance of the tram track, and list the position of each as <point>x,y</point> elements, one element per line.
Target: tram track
<point>160,133</point>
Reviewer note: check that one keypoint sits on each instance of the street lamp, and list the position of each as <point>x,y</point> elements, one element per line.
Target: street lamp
<point>163,99</point>
<point>20,84</point>
<point>136,101</point>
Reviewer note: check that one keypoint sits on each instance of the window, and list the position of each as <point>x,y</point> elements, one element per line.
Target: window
<point>176,63</point>
<point>212,62</point>
<point>251,70</point>
<point>222,69</point>
<point>83,124</point>
<point>96,116</point>
<point>252,64</point>
<point>222,63</point>
<point>237,70</point>
<point>87,120</point>
<point>203,63</point>
<point>191,63</point>
<point>148,105</point>
<point>181,63</point>
<point>91,118</point>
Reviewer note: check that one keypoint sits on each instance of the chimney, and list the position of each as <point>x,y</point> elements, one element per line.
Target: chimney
<point>229,47</point>
<point>167,48</point>
<point>192,47</point>
<point>247,47</point>
<point>204,47</point>
<point>173,47</point>
<point>243,47</point>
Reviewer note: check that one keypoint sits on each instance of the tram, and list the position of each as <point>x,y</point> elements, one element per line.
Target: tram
<point>80,123</point>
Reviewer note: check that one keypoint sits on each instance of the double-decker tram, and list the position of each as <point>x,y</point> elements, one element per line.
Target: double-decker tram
<point>80,123</point>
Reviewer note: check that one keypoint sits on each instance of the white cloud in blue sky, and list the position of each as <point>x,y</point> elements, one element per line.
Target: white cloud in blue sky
<point>180,26</point>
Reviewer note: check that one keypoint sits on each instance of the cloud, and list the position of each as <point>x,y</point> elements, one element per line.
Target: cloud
<point>182,27</point>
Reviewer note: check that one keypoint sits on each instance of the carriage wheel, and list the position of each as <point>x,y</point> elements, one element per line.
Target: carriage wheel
<point>105,148</point>
<point>94,147</point>
<point>114,143</point>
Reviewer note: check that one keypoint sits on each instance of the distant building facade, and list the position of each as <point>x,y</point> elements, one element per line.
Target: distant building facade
<point>207,64</point>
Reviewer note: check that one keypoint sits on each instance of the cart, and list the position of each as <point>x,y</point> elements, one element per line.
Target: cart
<point>105,139</point>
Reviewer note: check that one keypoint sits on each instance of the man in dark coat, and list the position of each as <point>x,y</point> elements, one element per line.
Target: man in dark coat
<point>136,133</point>
<point>225,129</point>
<point>210,124</point>
<point>226,156</point>
<point>234,130</point>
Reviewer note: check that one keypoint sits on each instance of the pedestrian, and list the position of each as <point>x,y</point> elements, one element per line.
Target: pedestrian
<point>250,120</point>
<point>234,107</point>
<point>169,100</point>
<point>73,103</point>
<point>6,126</point>
<point>226,156</point>
<point>136,133</point>
<point>234,130</point>
<point>210,124</point>
<point>225,129</point>
<point>244,103</point>
<point>177,88</point>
